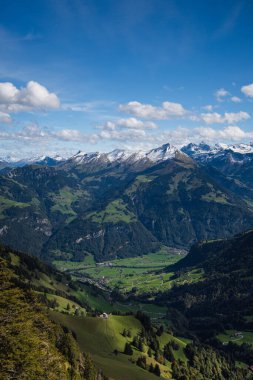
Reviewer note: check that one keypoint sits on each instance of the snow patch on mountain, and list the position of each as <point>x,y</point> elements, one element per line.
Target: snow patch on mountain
<point>202,152</point>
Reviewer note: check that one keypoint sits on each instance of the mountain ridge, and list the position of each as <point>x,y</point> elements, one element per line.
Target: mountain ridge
<point>199,151</point>
<point>124,206</point>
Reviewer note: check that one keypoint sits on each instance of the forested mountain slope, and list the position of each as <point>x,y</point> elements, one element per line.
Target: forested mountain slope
<point>116,208</point>
<point>31,345</point>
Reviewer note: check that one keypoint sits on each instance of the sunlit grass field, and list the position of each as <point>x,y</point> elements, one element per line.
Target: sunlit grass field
<point>148,273</point>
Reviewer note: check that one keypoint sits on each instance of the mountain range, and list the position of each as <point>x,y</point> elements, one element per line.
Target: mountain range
<point>202,152</point>
<point>125,203</point>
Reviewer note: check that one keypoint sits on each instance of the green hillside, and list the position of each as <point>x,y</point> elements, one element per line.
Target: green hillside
<point>116,211</point>
<point>101,337</point>
<point>31,345</point>
<point>218,307</point>
<point>125,347</point>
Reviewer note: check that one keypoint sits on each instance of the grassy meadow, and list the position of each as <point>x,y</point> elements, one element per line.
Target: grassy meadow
<point>143,274</point>
<point>101,337</point>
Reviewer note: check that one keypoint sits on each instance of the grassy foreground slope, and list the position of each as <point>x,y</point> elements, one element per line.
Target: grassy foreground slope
<point>31,345</point>
<point>101,337</point>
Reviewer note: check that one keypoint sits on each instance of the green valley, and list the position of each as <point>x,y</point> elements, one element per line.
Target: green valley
<point>144,274</point>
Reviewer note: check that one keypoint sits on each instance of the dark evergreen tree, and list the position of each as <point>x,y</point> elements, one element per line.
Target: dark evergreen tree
<point>89,368</point>
<point>128,349</point>
<point>157,370</point>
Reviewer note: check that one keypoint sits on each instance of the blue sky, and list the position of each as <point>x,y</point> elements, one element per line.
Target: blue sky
<point>103,74</point>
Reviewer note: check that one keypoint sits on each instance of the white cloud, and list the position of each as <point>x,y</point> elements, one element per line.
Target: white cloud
<point>69,135</point>
<point>133,123</point>
<point>126,135</point>
<point>77,107</point>
<point>228,117</point>
<point>208,107</point>
<point>247,90</point>
<point>234,117</point>
<point>129,123</point>
<point>229,133</point>
<point>96,106</point>
<point>221,93</point>
<point>8,93</point>
<point>235,99</point>
<point>33,96</point>
<point>212,118</point>
<point>108,125</point>
<point>174,109</point>
<point>5,117</point>
<point>31,132</point>
<point>167,110</point>
<point>34,135</point>
<point>234,133</point>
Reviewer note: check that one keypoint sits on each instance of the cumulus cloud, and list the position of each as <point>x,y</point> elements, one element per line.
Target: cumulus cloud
<point>33,96</point>
<point>177,136</point>
<point>33,135</point>
<point>133,123</point>
<point>129,123</point>
<point>212,118</point>
<point>221,93</point>
<point>234,133</point>
<point>234,117</point>
<point>228,117</point>
<point>167,110</point>
<point>247,90</point>
<point>208,107</point>
<point>69,134</point>
<point>31,132</point>
<point>235,99</point>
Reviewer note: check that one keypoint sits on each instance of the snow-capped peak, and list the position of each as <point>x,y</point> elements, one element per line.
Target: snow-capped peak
<point>201,152</point>
<point>162,153</point>
<point>201,148</point>
<point>118,155</point>
<point>82,157</point>
<point>241,148</point>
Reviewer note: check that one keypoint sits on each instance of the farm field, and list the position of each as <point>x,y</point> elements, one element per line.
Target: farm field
<point>137,275</point>
<point>158,314</point>
<point>101,337</point>
<point>238,337</point>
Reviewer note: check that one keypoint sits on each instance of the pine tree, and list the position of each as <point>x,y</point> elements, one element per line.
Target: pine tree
<point>135,342</point>
<point>128,349</point>
<point>140,346</point>
<point>89,370</point>
<point>160,331</point>
<point>157,370</point>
